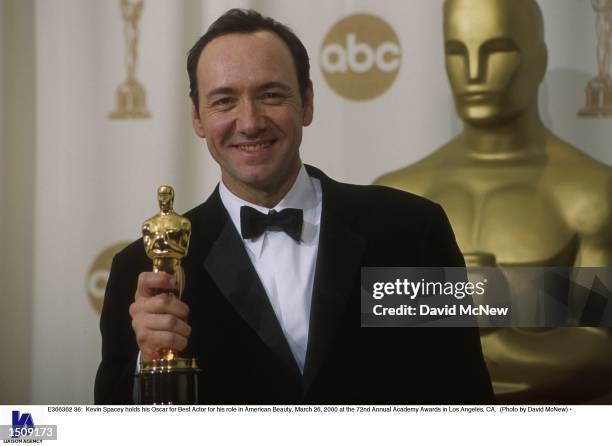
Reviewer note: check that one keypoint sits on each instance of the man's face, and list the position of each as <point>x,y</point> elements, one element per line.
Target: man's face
<point>494,61</point>
<point>251,112</point>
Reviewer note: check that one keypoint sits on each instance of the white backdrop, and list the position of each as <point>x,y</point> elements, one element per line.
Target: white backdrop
<point>74,182</point>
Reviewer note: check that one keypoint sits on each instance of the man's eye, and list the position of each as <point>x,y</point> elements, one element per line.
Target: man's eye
<point>272,97</point>
<point>223,102</point>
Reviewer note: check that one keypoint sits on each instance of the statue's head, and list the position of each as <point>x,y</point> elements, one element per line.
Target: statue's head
<point>165,196</point>
<point>495,58</point>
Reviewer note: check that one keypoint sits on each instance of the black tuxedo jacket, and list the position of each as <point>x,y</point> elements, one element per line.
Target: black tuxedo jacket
<point>238,341</point>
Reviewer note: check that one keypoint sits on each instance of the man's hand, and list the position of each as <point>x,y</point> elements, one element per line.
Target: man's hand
<point>158,316</point>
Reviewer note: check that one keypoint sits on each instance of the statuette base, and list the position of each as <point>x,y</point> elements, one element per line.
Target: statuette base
<point>598,98</point>
<point>164,381</point>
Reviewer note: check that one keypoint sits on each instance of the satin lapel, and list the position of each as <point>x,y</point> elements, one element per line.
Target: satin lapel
<point>339,261</point>
<point>230,268</point>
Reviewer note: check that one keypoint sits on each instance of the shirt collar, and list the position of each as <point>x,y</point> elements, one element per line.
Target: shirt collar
<point>302,195</point>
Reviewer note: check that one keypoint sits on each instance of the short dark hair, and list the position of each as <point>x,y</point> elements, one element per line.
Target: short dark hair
<point>245,22</point>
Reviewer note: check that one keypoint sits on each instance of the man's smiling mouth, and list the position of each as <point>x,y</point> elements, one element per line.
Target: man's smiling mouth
<point>255,146</point>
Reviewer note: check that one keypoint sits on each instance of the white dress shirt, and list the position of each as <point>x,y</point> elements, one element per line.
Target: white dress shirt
<point>285,267</point>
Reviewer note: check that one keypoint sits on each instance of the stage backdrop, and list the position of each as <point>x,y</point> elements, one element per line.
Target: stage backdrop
<point>80,163</point>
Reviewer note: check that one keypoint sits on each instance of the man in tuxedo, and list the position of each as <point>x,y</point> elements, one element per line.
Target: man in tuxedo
<point>271,306</point>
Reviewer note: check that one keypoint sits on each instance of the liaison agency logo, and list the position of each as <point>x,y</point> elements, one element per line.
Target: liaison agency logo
<point>23,430</point>
<point>360,57</point>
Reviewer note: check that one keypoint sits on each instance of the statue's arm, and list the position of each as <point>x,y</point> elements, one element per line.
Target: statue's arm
<point>590,216</point>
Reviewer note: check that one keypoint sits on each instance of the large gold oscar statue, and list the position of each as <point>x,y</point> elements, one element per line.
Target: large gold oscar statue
<point>518,195</point>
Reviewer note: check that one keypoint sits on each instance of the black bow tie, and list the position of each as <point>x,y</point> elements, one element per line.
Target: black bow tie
<point>254,223</point>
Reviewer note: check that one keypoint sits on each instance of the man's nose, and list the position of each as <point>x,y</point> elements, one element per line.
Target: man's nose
<point>251,118</point>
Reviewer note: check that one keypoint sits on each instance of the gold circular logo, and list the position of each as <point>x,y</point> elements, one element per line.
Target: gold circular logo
<point>360,57</point>
<point>98,273</point>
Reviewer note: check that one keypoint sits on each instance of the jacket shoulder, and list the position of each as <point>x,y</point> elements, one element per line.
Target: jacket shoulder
<point>383,200</point>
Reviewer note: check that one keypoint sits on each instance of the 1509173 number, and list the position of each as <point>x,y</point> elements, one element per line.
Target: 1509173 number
<point>36,432</point>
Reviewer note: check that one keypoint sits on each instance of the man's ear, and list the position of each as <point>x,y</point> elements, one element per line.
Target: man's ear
<point>308,106</point>
<point>196,122</point>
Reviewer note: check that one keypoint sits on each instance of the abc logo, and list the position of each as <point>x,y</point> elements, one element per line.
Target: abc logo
<point>98,273</point>
<point>360,57</point>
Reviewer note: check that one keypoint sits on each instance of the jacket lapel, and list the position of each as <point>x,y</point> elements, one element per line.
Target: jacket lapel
<point>338,266</point>
<point>339,258</point>
<point>231,270</point>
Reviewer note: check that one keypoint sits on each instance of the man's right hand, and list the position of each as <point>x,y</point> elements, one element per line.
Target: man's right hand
<point>158,316</point>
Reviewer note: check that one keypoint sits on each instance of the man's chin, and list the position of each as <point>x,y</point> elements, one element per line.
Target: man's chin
<point>255,179</point>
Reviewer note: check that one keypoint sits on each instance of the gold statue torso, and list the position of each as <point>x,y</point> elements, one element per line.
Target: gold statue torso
<point>505,198</point>
<point>166,236</point>
<point>554,209</point>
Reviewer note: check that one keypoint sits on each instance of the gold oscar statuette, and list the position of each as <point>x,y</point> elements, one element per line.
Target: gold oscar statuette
<point>168,379</point>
